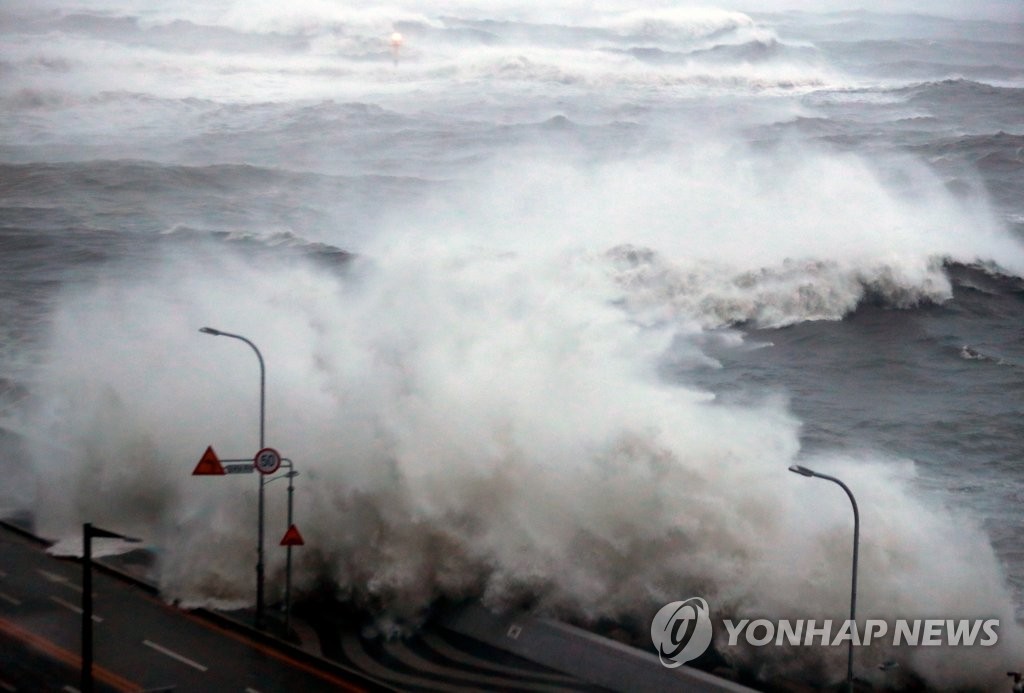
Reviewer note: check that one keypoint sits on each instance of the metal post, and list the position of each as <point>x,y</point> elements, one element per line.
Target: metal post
<point>804,471</point>
<point>290,475</point>
<point>87,608</point>
<point>259,539</point>
<point>88,532</point>
<point>288,565</point>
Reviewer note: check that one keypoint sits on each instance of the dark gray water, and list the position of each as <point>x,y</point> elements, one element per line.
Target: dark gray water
<point>550,299</point>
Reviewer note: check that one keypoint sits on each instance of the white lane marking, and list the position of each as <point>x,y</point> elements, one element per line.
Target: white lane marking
<point>7,687</point>
<point>251,690</point>
<point>59,579</point>
<point>52,577</point>
<point>174,655</point>
<point>70,689</point>
<point>9,599</point>
<point>76,609</point>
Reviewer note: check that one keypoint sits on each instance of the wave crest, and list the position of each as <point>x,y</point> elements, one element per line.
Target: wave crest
<point>791,292</point>
<point>678,23</point>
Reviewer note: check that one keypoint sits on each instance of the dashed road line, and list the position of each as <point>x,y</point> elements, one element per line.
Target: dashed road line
<point>52,577</point>
<point>73,607</point>
<point>7,687</point>
<point>339,683</point>
<point>174,655</point>
<point>59,579</point>
<point>9,599</point>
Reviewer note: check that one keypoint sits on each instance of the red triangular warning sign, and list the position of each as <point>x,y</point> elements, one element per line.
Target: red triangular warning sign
<point>208,464</point>
<point>292,537</point>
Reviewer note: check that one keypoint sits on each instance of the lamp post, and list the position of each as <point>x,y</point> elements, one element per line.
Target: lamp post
<point>259,540</point>
<point>804,471</point>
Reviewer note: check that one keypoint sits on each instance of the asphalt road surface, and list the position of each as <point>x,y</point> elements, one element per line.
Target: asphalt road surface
<point>140,642</point>
<point>143,644</point>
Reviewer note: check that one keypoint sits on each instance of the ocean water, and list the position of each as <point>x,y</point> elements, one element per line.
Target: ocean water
<point>550,297</point>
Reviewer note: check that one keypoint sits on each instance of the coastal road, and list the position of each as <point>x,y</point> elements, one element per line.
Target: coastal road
<point>140,643</point>
<point>144,644</point>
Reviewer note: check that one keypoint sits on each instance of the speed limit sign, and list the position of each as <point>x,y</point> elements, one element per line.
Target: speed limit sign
<point>267,461</point>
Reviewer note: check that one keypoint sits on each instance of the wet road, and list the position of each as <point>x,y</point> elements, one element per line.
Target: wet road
<point>140,642</point>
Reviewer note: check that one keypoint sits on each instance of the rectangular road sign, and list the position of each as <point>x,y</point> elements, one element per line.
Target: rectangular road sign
<point>247,468</point>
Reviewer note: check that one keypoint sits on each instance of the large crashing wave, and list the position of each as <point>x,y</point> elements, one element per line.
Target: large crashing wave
<point>475,408</point>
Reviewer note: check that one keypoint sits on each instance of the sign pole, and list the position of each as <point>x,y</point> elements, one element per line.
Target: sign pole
<point>267,461</point>
<point>291,538</point>
<point>288,565</point>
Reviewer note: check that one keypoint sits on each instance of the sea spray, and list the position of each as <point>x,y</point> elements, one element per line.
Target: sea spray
<point>482,425</point>
<point>479,404</point>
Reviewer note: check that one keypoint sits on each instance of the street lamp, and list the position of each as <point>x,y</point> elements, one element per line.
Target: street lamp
<point>804,471</point>
<point>259,541</point>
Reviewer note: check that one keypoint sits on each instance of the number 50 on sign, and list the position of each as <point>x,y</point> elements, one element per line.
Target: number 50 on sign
<point>267,461</point>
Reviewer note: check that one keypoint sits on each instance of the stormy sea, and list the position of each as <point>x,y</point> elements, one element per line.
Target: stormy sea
<point>550,297</point>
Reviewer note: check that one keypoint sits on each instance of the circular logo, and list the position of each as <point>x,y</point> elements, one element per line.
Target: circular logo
<point>267,461</point>
<point>681,631</point>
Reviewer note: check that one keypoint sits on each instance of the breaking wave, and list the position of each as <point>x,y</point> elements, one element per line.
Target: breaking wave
<point>466,272</point>
<point>476,411</point>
